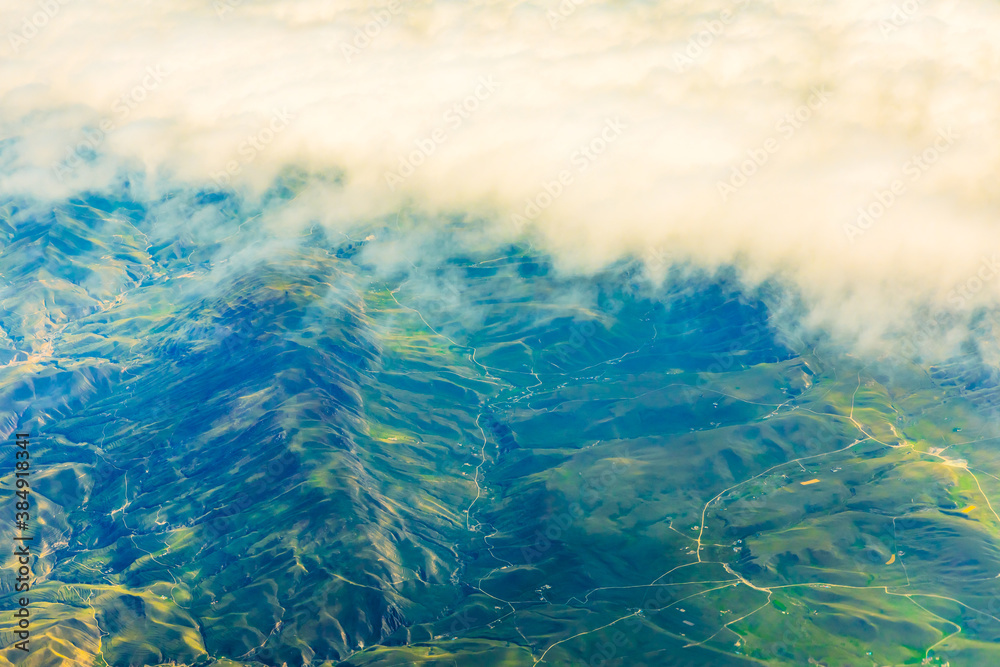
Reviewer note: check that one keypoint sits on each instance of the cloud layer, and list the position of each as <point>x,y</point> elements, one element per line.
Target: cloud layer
<point>849,149</point>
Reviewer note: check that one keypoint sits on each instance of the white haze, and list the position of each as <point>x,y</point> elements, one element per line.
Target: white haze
<point>894,75</point>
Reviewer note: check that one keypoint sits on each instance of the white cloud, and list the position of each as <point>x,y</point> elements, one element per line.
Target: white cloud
<point>656,185</point>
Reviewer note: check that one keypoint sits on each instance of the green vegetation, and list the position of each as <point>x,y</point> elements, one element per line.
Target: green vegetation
<point>277,458</point>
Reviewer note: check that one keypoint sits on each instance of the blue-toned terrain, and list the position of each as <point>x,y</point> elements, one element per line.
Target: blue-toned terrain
<point>254,448</point>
